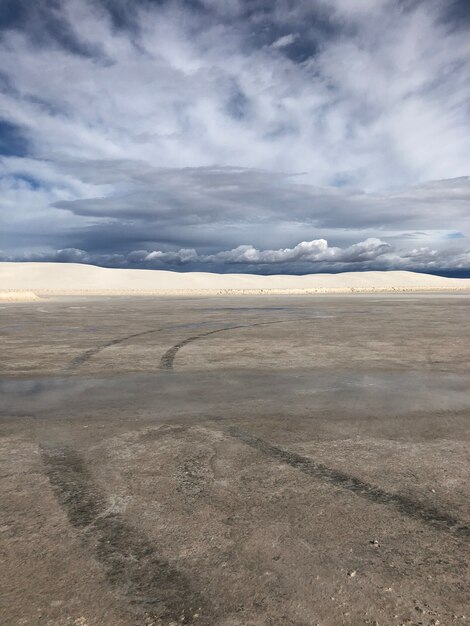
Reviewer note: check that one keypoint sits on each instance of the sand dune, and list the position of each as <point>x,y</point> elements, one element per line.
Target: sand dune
<point>72,278</point>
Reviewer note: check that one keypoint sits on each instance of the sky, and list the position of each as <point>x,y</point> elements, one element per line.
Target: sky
<point>264,136</point>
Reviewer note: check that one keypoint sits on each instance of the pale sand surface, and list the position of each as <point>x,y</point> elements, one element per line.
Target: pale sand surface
<point>18,296</point>
<point>16,279</point>
<point>235,461</point>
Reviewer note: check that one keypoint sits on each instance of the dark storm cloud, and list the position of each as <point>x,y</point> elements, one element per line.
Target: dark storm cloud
<point>221,133</point>
<point>247,196</point>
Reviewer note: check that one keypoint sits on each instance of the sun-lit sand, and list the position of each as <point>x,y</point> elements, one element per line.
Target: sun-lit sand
<point>27,281</point>
<point>18,296</point>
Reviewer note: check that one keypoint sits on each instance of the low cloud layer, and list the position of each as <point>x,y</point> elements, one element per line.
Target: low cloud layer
<point>306,256</point>
<point>236,130</point>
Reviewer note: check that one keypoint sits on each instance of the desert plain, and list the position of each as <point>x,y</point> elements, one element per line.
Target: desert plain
<point>235,461</point>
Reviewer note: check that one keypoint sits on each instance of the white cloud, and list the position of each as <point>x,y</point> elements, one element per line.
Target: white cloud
<point>184,255</point>
<point>285,40</point>
<point>306,251</point>
<point>182,131</point>
<point>383,107</point>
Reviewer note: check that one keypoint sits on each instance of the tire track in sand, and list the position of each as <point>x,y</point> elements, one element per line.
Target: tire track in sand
<point>167,360</point>
<point>427,514</point>
<point>153,587</point>
<point>83,357</point>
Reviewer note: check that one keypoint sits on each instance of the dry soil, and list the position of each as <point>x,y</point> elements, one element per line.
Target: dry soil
<point>269,461</point>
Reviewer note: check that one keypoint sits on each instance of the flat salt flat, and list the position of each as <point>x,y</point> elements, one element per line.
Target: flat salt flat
<point>231,461</point>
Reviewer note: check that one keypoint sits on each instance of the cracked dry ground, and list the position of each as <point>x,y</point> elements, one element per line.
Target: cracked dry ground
<point>235,461</point>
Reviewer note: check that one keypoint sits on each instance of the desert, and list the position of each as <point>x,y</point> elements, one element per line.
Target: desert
<point>265,460</point>
<point>234,313</point>
<point>30,280</point>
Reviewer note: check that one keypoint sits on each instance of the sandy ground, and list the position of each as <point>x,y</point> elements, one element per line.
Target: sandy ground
<point>14,295</point>
<point>235,461</point>
<point>19,279</point>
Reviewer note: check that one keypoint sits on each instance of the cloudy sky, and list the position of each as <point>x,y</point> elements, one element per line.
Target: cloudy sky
<point>236,135</point>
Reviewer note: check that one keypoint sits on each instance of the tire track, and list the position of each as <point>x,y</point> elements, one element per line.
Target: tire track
<point>82,358</point>
<point>153,587</point>
<point>413,509</point>
<point>85,356</point>
<point>167,360</point>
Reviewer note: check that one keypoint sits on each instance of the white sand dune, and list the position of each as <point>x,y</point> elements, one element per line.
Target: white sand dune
<point>72,278</point>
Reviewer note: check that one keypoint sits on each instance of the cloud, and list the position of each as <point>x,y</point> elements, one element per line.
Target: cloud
<point>255,200</point>
<point>184,255</point>
<point>202,126</point>
<point>306,251</point>
<point>285,40</point>
<point>305,257</point>
<point>378,105</point>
